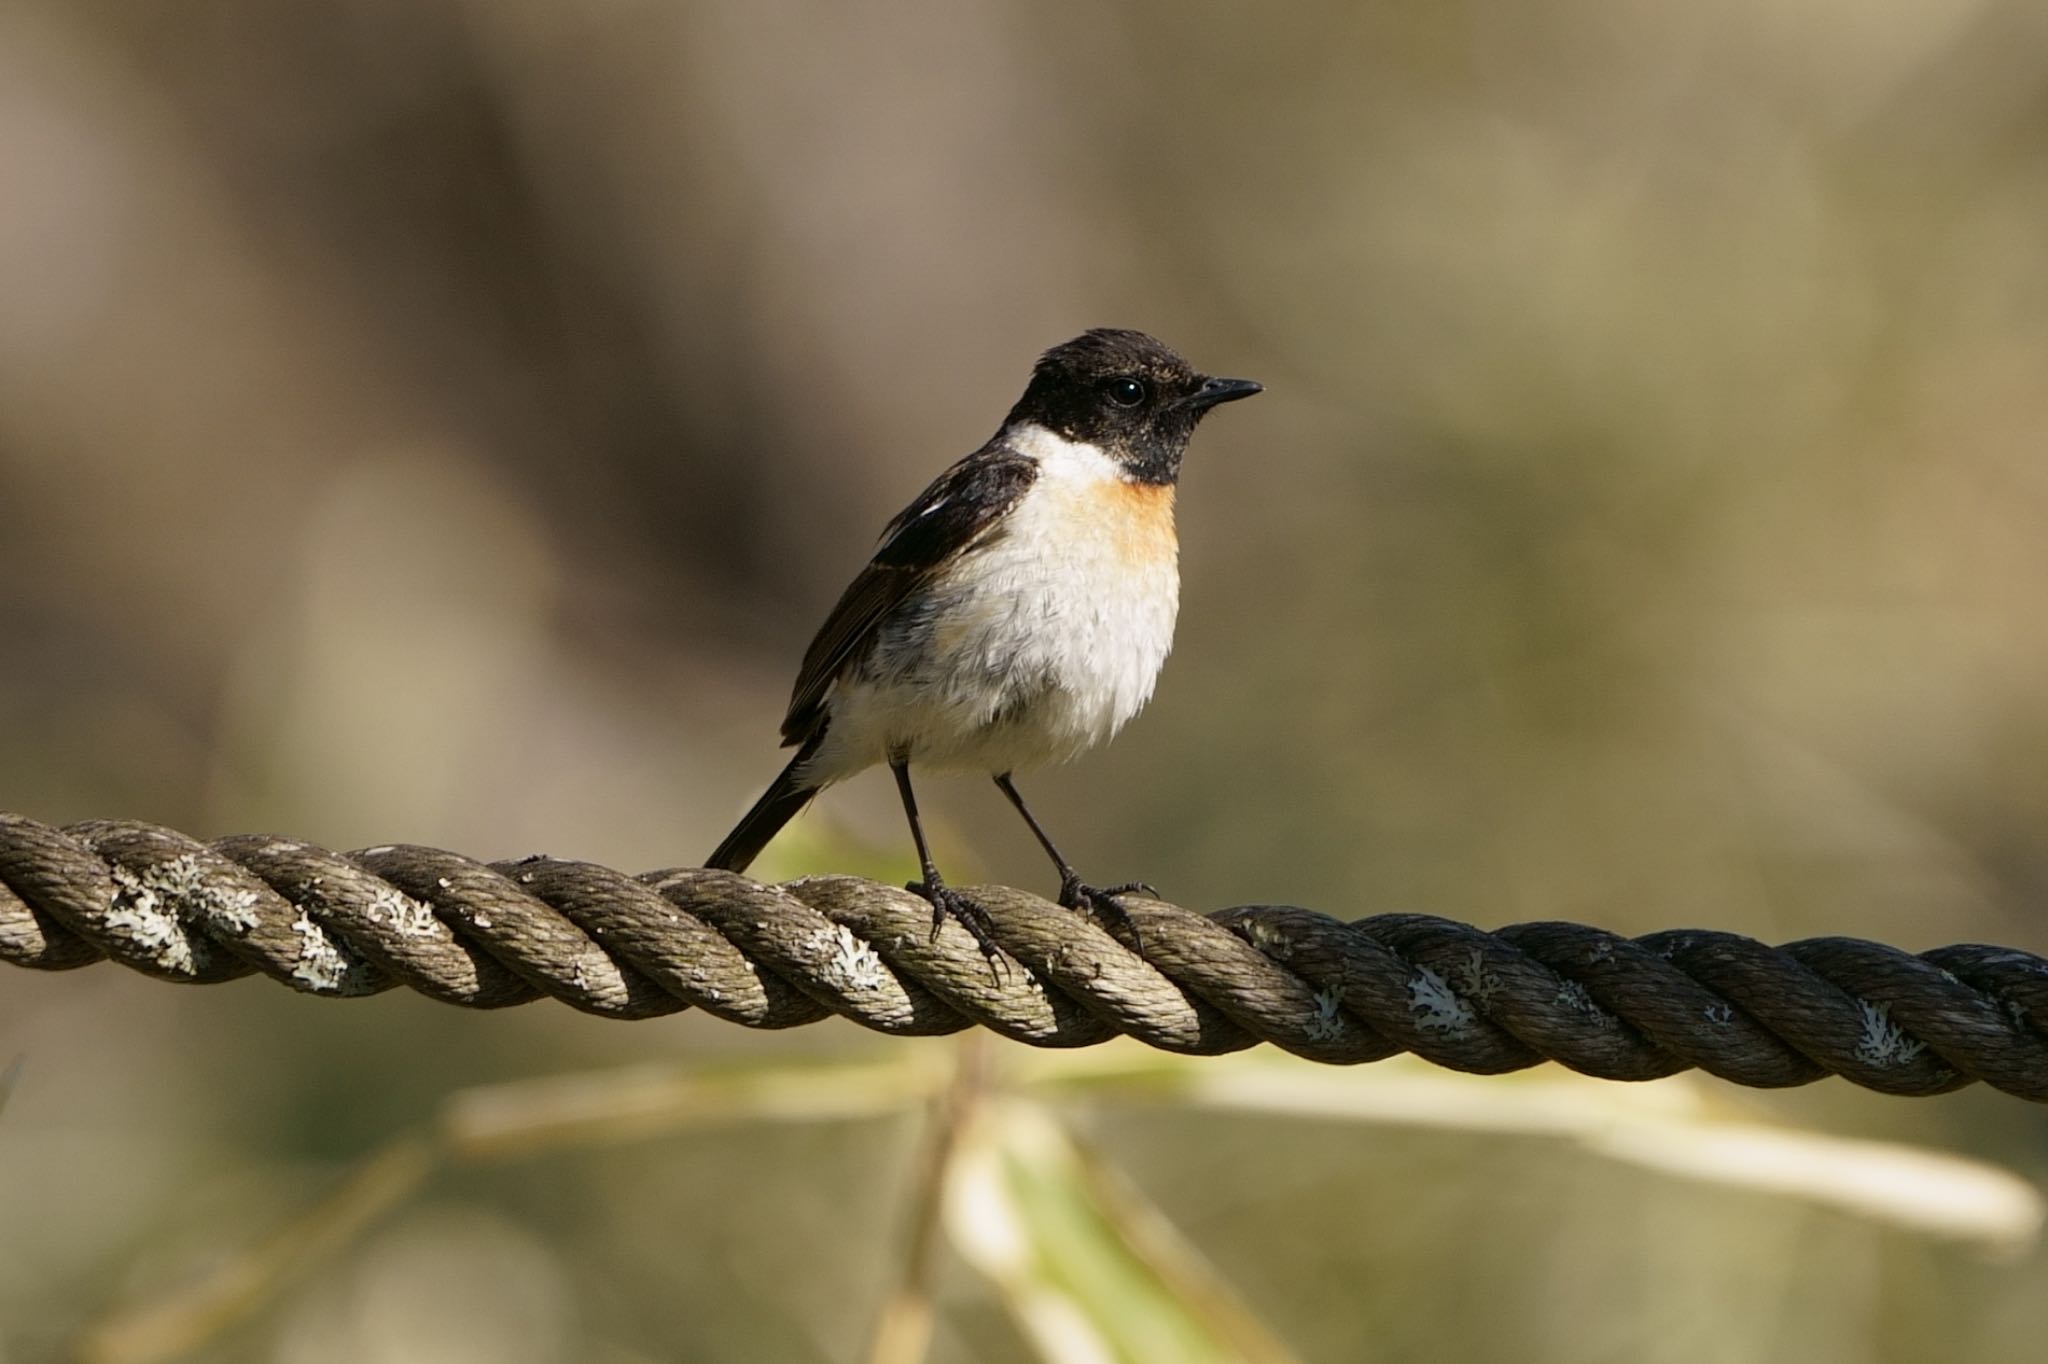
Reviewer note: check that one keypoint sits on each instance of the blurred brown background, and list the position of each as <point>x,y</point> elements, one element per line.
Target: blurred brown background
<point>446,422</point>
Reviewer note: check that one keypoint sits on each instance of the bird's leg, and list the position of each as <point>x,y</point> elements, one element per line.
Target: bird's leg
<point>946,902</point>
<point>1099,901</point>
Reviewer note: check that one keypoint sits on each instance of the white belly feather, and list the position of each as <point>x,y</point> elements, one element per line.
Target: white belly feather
<point>1038,645</point>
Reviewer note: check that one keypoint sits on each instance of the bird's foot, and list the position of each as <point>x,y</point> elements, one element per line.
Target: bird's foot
<point>948,903</point>
<point>1100,904</point>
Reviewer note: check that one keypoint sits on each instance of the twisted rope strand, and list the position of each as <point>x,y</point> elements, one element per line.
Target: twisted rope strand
<point>489,936</point>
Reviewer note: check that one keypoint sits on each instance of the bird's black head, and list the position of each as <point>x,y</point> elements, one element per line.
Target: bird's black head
<point>1127,393</point>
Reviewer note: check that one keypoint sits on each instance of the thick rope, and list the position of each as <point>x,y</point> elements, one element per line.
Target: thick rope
<point>775,956</point>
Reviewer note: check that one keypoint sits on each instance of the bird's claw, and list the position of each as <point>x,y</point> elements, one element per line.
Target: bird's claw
<point>948,903</point>
<point>1100,904</point>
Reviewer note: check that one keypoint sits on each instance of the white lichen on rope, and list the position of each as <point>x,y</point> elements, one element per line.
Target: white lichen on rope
<point>407,917</point>
<point>1885,1043</point>
<point>185,883</point>
<point>322,966</point>
<point>1436,1006</point>
<point>1474,979</point>
<point>1327,1025</point>
<point>1572,995</point>
<point>853,960</point>
<point>139,914</point>
<point>149,904</point>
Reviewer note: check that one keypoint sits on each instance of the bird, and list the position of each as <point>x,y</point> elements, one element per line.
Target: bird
<point>1015,615</point>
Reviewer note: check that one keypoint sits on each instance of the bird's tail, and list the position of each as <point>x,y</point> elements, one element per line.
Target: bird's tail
<point>779,804</point>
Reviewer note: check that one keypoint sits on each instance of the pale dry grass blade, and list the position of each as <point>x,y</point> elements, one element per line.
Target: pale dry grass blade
<point>903,1327</point>
<point>1673,1126</point>
<point>1089,1270</point>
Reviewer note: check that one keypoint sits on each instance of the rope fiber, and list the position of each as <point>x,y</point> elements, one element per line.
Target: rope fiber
<point>488,936</point>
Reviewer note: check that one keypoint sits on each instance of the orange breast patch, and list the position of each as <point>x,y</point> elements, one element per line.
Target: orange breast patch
<point>1140,519</point>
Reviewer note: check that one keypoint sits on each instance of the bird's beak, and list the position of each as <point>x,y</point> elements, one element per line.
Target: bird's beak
<point>1214,391</point>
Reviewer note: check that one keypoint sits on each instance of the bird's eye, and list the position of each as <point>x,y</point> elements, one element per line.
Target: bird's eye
<point>1126,392</point>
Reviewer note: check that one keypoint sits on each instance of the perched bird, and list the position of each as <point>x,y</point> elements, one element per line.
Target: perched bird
<point>1017,613</point>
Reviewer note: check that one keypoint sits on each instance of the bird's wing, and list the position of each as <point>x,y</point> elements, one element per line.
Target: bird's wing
<point>956,514</point>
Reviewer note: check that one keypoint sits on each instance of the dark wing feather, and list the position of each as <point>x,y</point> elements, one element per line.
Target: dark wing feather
<point>957,512</point>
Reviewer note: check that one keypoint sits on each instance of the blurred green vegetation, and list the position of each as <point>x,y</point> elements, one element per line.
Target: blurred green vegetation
<point>446,422</point>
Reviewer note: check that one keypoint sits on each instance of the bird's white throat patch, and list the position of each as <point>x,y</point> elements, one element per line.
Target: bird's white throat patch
<point>1062,458</point>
